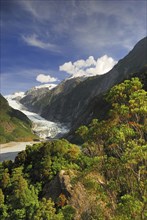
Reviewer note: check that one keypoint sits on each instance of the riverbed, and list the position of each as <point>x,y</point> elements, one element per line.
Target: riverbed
<point>10,150</point>
<point>41,127</point>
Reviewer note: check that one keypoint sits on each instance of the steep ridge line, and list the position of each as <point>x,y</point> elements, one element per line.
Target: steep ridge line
<point>73,100</point>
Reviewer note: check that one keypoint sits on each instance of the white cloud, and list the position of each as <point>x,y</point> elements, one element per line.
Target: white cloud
<point>45,78</point>
<point>22,79</point>
<point>33,40</point>
<point>67,67</point>
<point>103,65</point>
<point>89,67</point>
<point>85,63</point>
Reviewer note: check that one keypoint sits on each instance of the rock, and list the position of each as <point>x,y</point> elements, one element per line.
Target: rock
<point>76,194</point>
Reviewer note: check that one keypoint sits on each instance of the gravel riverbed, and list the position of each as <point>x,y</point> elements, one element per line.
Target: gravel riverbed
<point>10,150</point>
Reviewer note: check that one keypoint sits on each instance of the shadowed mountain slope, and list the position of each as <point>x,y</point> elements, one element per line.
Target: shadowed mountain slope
<point>73,100</point>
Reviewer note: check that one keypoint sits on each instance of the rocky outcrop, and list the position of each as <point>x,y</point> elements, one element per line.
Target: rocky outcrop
<point>75,194</point>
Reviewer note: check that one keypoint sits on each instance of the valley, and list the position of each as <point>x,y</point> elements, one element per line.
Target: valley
<point>73,110</point>
<point>57,110</point>
<point>77,101</point>
<point>43,128</point>
<point>104,179</point>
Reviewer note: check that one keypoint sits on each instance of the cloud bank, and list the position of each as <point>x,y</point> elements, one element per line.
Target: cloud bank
<point>42,78</point>
<point>88,67</point>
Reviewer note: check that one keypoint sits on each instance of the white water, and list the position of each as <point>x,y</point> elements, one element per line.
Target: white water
<point>43,128</point>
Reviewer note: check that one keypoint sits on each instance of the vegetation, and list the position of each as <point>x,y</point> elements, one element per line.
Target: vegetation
<point>120,144</point>
<point>22,182</point>
<point>110,166</point>
<point>14,125</point>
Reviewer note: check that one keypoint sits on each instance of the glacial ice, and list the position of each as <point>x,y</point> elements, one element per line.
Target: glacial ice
<point>43,128</point>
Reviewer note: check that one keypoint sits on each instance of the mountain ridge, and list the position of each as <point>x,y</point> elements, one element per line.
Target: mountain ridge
<point>68,101</point>
<point>14,125</point>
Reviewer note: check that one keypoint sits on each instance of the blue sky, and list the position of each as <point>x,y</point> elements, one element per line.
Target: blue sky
<point>52,40</point>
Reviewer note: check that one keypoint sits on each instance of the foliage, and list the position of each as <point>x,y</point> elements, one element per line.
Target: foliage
<point>121,142</point>
<point>110,165</point>
<point>22,181</point>
<point>14,125</point>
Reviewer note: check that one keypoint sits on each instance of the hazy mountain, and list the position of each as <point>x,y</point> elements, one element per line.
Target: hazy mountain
<point>14,125</point>
<point>73,101</point>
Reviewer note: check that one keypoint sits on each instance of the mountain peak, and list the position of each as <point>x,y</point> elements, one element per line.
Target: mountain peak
<point>49,86</point>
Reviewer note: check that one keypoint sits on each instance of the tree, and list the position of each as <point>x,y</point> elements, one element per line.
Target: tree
<point>5,182</point>
<point>47,211</point>
<point>22,198</point>
<point>3,207</point>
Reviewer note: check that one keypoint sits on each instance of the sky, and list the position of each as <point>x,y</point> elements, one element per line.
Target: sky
<point>47,41</point>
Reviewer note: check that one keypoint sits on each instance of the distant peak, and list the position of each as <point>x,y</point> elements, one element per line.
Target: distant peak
<point>49,86</point>
<point>15,95</point>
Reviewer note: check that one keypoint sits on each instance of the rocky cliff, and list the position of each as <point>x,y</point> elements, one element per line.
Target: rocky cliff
<point>74,194</point>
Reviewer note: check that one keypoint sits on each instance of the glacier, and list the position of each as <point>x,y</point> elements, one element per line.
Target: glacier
<point>41,127</point>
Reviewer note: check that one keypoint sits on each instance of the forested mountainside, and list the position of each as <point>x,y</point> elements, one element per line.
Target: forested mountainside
<point>70,102</point>
<point>14,125</point>
<point>104,178</point>
<point>99,107</point>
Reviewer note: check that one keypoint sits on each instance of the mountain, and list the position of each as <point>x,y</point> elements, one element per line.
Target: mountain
<point>16,95</point>
<point>31,97</point>
<point>14,125</point>
<point>73,101</point>
<point>49,86</point>
<point>104,178</point>
<point>37,98</point>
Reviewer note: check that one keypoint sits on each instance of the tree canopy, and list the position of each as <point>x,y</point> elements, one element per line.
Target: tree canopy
<point>110,165</point>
